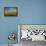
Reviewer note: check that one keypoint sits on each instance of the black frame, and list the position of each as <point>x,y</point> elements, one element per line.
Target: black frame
<point>11,7</point>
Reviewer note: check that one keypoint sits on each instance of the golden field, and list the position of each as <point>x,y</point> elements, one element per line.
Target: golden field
<point>10,13</point>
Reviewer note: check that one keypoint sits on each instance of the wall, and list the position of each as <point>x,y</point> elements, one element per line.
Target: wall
<point>33,12</point>
<point>29,12</point>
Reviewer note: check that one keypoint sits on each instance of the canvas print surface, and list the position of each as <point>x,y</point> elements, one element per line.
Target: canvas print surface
<point>33,32</point>
<point>10,11</point>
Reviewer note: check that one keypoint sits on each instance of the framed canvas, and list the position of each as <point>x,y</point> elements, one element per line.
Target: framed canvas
<point>10,11</point>
<point>32,32</point>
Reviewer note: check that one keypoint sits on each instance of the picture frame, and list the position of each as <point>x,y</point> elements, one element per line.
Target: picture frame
<point>37,29</point>
<point>10,11</point>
